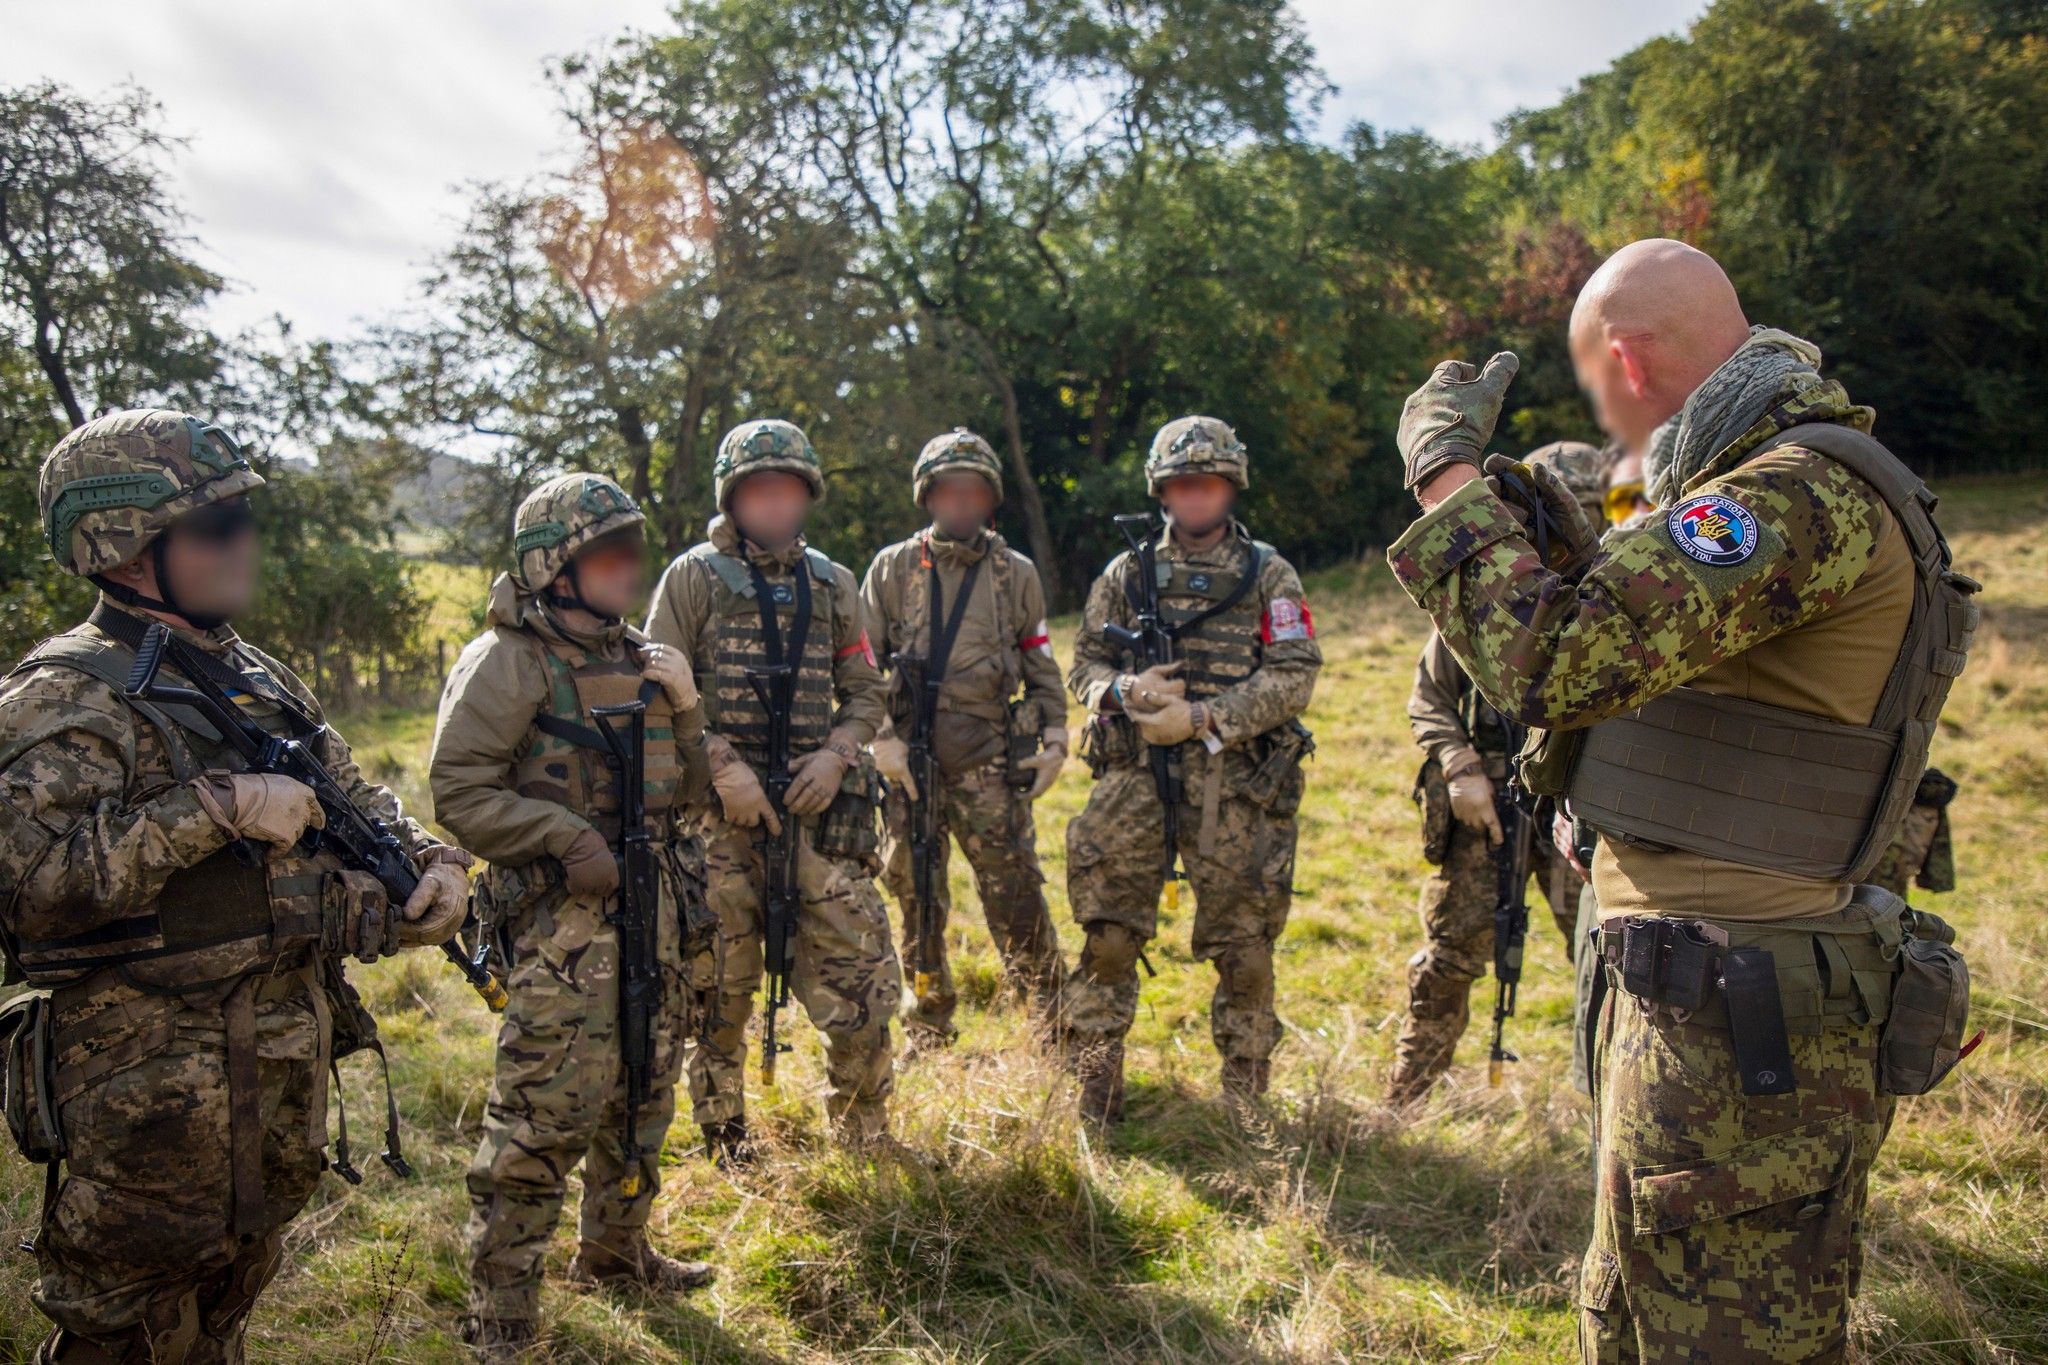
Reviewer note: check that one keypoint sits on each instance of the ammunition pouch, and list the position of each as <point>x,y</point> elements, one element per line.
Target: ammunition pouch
<point>847,829</point>
<point>357,918</point>
<point>27,1034</point>
<point>507,896</point>
<point>1432,797</point>
<point>1923,1037</point>
<point>1546,761</point>
<point>1110,741</point>
<point>1276,781</point>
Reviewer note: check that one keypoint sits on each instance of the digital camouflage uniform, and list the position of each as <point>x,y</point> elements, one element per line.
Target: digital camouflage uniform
<point>1255,665</point>
<point>1726,1224</point>
<point>1002,645</point>
<point>519,796</point>
<point>191,1080</point>
<point>846,974</point>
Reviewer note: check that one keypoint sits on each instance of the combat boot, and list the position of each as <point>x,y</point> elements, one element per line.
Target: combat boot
<point>499,1341</point>
<point>1246,1078</point>
<point>597,1265</point>
<point>1099,1064</point>
<point>1409,1085</point>
<point>727,1145</point>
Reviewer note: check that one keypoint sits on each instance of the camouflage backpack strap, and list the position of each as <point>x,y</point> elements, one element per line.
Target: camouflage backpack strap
<point>110,662</point>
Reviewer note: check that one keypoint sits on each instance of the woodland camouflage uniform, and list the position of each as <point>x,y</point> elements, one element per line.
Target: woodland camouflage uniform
<point>1002,645</point>
<point>1728,1213</point>
<point>195,1003</point>
<point>520,796</point>
<point>1254,664</point>
<point>708,604</point>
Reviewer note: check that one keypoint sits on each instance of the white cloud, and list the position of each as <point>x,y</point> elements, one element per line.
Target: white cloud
<point>328,141</point>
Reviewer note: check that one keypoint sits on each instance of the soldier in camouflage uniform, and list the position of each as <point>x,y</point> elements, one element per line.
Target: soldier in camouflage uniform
<point>998,642</point>
<point>520,773</point>
<point>1787,626</point>
<point>186,951</point>
<point>1226,710</point>
<point>1466,760</point>
<point>756,595</point>
<point>1923,855</point>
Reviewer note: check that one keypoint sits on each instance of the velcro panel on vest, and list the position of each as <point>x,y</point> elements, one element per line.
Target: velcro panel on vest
<point>1737,780</point>
<point>1225,649</point>
<point>736,712</point>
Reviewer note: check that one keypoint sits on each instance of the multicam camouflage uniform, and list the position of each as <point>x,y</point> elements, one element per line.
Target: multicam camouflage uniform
<point>520,796</point>
<point>1457,901</point>
<point>1254,664</point>
<point>709,605</point>
<point>1727,1224</point>
<point>1002,644</point>
<point>195,1001</point>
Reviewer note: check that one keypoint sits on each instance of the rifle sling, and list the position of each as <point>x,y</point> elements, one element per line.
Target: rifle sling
<point>1230,599</point>
<point>941,652</point>
<point>586,736</point>
<point>130,631</point>
<point>800,623</point>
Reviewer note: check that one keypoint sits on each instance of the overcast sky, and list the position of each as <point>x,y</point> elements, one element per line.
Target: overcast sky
<point>327,141</point>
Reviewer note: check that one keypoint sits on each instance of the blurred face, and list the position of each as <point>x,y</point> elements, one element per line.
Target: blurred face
<point>211,558</point>
<point>1198,503</point>
<point>960,504</point>
<point>770,507</point>
<point>611,574</point>
<point>1625,496</point>
<point>1614,374</point>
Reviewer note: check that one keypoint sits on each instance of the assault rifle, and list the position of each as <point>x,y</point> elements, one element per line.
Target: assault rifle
<point>1148,643</point>
<point>776,686</point>
<point>360,840</point>
<point>1511,886</point>
<point>639,905</point>
<point>926,848</point>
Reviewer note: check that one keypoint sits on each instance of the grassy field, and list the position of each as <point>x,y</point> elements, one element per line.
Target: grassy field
<point>1329,1231</point>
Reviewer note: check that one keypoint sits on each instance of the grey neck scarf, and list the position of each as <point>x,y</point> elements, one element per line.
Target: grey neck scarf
<point>1749,383</point>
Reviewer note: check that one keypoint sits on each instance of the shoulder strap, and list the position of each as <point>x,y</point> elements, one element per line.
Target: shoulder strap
<point>821,568</point>
<point>111,665</point>
<point>1246,576</point>
<point>731,572</point>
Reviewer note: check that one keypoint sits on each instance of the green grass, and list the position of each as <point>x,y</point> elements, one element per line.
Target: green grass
<point>1331,1231</point>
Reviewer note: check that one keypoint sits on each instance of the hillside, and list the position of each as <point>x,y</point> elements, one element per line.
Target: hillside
<point>1331,1232</point>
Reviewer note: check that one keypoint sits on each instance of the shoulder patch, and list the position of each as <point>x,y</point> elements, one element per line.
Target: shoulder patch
<point>1713,529</point>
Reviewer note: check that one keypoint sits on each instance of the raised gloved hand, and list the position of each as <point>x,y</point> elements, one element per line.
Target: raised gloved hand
<point>666,665</point>
<point>1472,802</point>
<point>740,794</point>
<point>1154,687</point>
<point>590,866</point>
<point>437,906</point>
<point>1173,722</point>
<point>892,761</point>
<point>1569,537</point>
<point>1045,765</point>
<point>275,810</point>
<point>1450,418</point>
<point>814,778</point>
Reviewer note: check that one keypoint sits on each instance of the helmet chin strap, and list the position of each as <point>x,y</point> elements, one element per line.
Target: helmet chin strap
<point>168,604</point>
<point>573,599</point>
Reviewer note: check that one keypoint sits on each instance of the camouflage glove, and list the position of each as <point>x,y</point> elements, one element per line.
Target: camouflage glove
<point>275,810</point>
<point>892,761</point>
<point>590,867</point>
<point>1472,802</point>
<point>1551,515</point>
<point>740,796</point>
<point>1154,687</point>
<point>437,906</point>
<point>814,778</point>
<point>1045,765</point>
<point>1450,418</point>
<point>666,665</point>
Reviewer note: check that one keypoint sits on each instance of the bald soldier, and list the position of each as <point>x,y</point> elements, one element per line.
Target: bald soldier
<point>1749,682</point>
<point>1466,753</point>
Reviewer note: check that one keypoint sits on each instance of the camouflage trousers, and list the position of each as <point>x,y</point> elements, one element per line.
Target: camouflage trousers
<point>138,1256</point>
<point>1726,1227</point>
<point>1907,853</point>
<point>846,978</point>
<point>1457,920</point>
<point>558,1098</point>
<point>996,832</point>
<point>1243,886</point>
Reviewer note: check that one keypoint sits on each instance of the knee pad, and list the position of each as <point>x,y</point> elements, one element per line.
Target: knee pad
<point>1246,970</point>
<point>1111,951</point>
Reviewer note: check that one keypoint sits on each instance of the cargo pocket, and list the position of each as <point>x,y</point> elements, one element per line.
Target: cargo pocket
<point>847,828</point>
<point>1599,1277</point>
<point>131,1228</point>
<point>1800,1163</point>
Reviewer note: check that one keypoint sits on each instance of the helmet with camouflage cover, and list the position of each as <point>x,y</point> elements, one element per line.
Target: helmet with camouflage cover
<point>1582,468</point>
<point>957,451</point>
<point>763,444</point>
<point>562,516</point>
<point>1195,445</point>
<point>114,485</point>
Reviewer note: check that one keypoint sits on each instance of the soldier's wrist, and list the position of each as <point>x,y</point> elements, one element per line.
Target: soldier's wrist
<point>1456,762</point>
<point>433,854</point>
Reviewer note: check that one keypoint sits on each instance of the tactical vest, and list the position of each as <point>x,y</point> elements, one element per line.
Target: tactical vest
<point>212,923</point>
<point>575,770</point>
<point>998,569</point>
<point>732,708</point>
<point>1772,788</point>
<point>1214,615</point>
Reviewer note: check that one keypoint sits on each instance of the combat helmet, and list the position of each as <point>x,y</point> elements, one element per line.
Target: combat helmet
<point>957,450</point>
<point>763,444</point>
<point>1581,468</point>
<point>111,488</point>
<point>560,518</point>
<point>1195,445</point>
